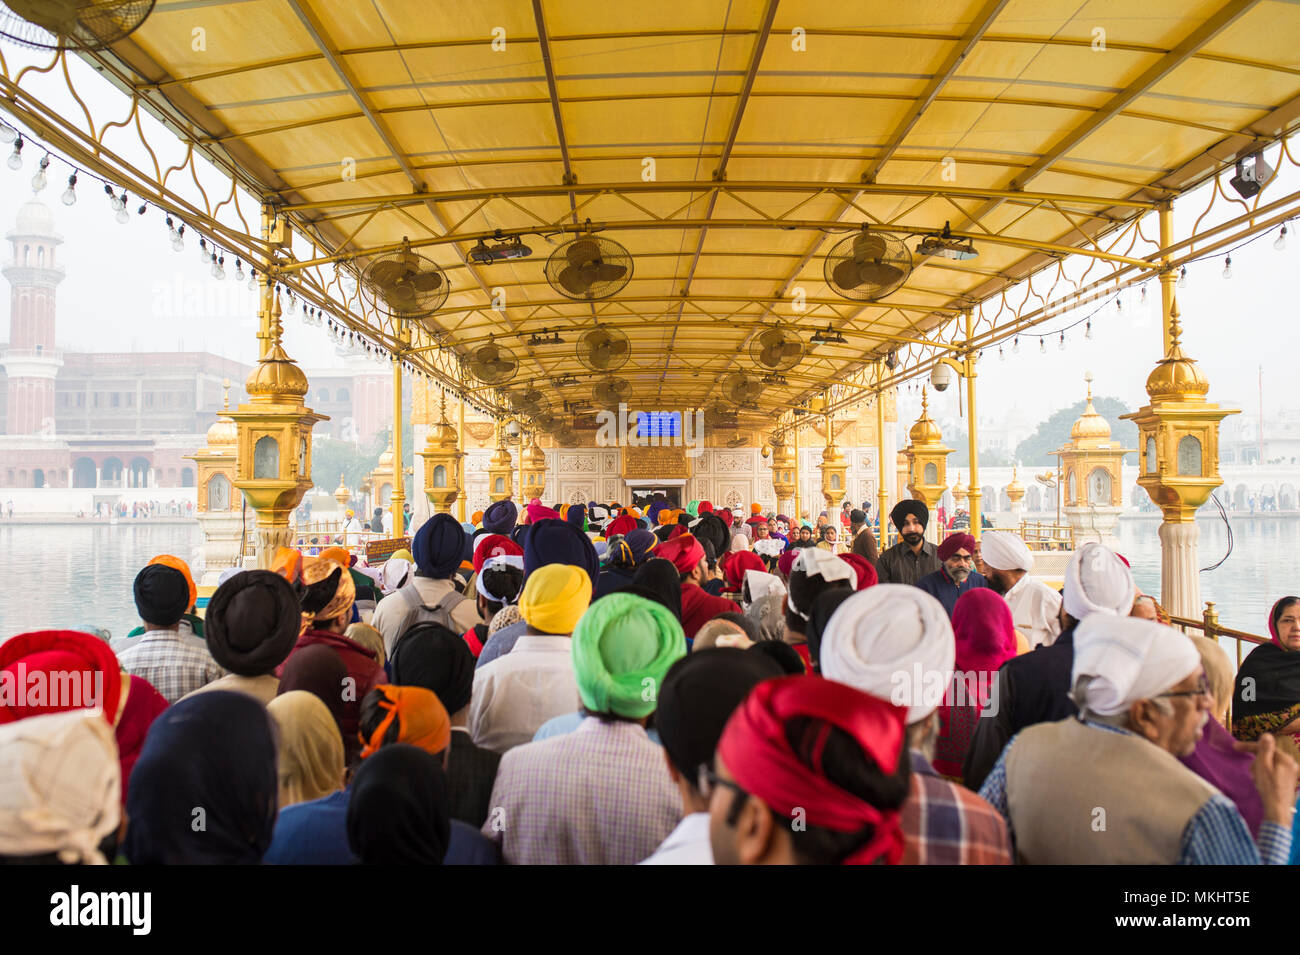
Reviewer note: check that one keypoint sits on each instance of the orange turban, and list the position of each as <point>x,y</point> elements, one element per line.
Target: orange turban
<point>175,563</point>
<point>756,508</point>
<point>288,564</point>
<point>476,517</point>
<point>421,718</point>
<point>338,555</point>
<point>318,603</point>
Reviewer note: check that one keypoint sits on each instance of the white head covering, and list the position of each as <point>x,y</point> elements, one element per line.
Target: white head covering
<point>739,541</point>
<point>761,583</point>
<point>62,786</point>
<point>227,574</point>
<point>769,547</point>
<point>394,573</point>
<point>1097,581</point>
<point>893,641</point>
<point>500,560</point>
<point>1005,551</point>
<point>1128,659</point>
<point>815,562</point>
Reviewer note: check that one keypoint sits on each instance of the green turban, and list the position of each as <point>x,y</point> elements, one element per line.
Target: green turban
<point>693,508</point>
<point>622,648</point>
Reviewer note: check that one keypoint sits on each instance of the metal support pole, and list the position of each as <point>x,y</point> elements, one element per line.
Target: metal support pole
<point>798,512</point>
<point>882,494</point>
<point>1167,276</point>
<point>264,334</point>
<point>519,450</point>
<point>460,465</point>
<point>973,432</point>
<point>399,473</point>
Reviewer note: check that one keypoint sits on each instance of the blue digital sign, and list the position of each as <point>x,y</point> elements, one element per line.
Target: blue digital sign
<point>659,424</point>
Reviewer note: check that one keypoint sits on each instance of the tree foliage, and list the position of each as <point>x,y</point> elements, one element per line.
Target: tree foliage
<point>1053,433</point>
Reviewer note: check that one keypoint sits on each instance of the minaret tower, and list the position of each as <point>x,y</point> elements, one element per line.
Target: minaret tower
<point>30,360</point>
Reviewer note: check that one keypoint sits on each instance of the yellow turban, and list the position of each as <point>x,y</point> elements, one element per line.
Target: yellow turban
<point>403,554</point>
<point>555,597</point>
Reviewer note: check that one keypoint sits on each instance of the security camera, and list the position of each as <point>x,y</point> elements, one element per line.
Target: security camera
<point>941,377</point>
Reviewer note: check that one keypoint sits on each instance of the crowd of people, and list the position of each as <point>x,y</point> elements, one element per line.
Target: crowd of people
<point>601,684</point>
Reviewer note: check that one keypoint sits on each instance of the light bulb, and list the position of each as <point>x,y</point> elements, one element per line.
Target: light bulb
<point>1280,242</point>
<point>1061,345</point>
<point>292,303</point>
<point>1001,356</point>
<point>7,134</point>
<point>1119,304</point>
<point>178,241</point>
<point>1182,278</point>
<point>1015,345</point>
<point>239,271</point>
<point>1227,267</point>
<point>252,280</point>
<point>1042,346</point>
<point>40,181</point>
<point>15,160</point>
<point>123,216</point>
<point>70,194</point>
<point>1087,331</point>
<point>1144,294</point>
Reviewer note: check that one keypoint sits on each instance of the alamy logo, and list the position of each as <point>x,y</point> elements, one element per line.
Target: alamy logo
<point>133,909</point>
<point>624,429</point>
<point>58,689</point>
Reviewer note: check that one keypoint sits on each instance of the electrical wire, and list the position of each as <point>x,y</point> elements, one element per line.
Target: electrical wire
<point>1226,523</point>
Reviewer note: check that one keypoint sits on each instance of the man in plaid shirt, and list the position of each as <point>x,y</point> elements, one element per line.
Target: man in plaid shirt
<point>173,662</point>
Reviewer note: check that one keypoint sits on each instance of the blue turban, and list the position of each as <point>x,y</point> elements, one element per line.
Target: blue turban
<point>652,512</point>
<point>500,517</point>
<point>577,516</point>
<point>438,546</point>
<point>558,542</point>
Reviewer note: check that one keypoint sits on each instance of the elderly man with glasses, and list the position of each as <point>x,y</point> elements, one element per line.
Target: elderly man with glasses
<point>956,574</point>
<point>1106,786</point>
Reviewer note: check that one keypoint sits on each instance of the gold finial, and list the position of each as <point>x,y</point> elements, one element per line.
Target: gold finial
<point>225,384</point>
<point>277,327</point>
<point>442,404</point>
<point>1087,376</point>
<point>1175,327</point>
<point>925,402</point>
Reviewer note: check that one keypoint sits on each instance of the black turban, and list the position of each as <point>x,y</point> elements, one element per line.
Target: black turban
<point>785,656</point>
<point>162,595</point>
<point>698,695</point>
<point>399,812</point>
<point>431,656</point>
<point>500,517</point>
<point>915,508</point>
<point>252,622</point>
<point>857,516</point>
<point>709,529</point>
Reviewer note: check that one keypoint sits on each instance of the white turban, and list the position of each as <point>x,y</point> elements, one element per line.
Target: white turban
<point>394,573</point>
<point>739,541</point>
<point>1128,659</point>
<point>1097,581</point>
<point>894,642</point>
<point>1003,550</point>
<point>761,583</point>
<point>62,789</point>
<point>815,562</point>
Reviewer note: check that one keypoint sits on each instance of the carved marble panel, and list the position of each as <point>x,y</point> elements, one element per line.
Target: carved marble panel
<point>733,462</point>
<point>609,462</point>
<point>580,463</point>
<point>577,492</point>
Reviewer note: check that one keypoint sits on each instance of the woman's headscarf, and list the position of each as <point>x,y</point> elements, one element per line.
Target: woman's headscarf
<point>62,782</point>
<point>399,810</point>
<point>503,618</point>
<point>1269,678</point>
<point>204,790</point>
<point>739,542</point>
<point>657,579</point>
<point>319,670</point>
<point>311,747</point>
<point>984,631</point>
<point>364,635</point>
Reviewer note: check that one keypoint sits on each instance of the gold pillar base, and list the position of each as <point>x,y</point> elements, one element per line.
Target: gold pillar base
<point>442,499</point>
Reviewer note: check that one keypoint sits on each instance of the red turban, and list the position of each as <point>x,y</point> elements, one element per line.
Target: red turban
<point>705,507</point>
<point>984,631</point>
<point>621,525</point>
<point>756,752</point>
<point>725,516</point>
<point>786,561</point>
<point>867,576</point>
<point>494,545</point>
<point>38,669</point>
<point>736,563</point>
<point>754,521</point>
<point>677,531</point>
<point>684,551</point>
<point>955,542</point>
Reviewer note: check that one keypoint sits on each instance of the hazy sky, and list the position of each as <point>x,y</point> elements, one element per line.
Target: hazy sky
<point>126,289</point>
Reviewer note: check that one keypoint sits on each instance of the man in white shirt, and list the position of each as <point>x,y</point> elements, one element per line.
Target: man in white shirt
<point>431,594</point>
<point>696,700</point>
<point>517,692</point>
<point>1035,607</point>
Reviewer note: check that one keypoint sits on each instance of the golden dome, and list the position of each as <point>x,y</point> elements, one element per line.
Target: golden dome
<point>832,455</point>
<point>1176,377</point>
<point>1015,490</point>
<point>535,457</point>
<point>385,459</point>
<point>1091,428</point>
<point>223,434</point>
<point>925,431</point>
<point>277,376</point>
